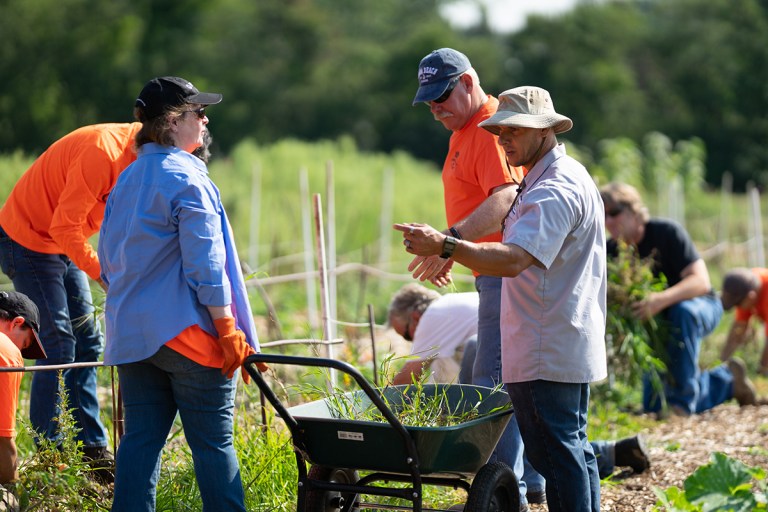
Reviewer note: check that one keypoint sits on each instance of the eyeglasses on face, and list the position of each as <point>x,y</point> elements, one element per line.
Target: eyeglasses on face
<point>199,112</point>
<point>615,211</point>
<point>447,94</point>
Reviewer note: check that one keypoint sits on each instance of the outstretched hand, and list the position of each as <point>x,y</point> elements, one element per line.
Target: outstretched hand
<point>421,239</point>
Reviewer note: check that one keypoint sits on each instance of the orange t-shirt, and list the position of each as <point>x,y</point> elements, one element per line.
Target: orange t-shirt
<point>199,346</point>
<point>475,165</point>
<point>10,382</point>
<point>58,203</point>
<point>761,306</point>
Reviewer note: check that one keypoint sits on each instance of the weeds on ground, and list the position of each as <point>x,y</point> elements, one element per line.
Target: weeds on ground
<point>54,477</point>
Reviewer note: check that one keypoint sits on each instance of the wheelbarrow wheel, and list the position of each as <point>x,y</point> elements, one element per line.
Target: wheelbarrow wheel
<point>330,501</point>
<point>494,489</point>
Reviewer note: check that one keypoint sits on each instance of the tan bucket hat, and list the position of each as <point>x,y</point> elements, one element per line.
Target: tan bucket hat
<point>526,107</point>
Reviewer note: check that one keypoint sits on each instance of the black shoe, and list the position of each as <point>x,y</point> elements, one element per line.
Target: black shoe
<point>536,497</point>
<point>631,452</point>
<point>102,463</point>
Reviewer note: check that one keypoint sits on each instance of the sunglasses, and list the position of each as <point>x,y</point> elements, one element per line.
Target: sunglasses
<point>447,94</point>
<point>200,112</point>
<point>614,211</point>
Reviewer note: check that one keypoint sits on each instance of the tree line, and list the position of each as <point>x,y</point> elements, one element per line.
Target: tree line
<point>318,69</point>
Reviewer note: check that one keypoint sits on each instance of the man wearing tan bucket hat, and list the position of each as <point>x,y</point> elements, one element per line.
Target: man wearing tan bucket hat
<point>552,260</point>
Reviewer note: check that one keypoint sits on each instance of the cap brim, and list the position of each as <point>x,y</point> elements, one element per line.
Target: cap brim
<point>205,98</point>
<point>431,92</point>
<point>35,350</point>
<point>559,123</point>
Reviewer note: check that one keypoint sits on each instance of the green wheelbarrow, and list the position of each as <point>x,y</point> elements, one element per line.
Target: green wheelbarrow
<point>338,449</point>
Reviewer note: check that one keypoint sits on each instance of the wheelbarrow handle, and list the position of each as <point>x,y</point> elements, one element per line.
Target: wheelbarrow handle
<point>372,393</point>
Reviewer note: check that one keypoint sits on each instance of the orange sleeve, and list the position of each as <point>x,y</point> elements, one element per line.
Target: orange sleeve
<point>59,202</point>
<point>10,382</point>
<point>88,184</point>
<point>9,396</point>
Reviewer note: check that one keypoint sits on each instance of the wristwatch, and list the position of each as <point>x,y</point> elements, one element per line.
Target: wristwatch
<point>449,244</point>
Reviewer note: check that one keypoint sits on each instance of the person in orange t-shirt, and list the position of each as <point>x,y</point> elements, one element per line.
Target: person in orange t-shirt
<point>478,188</point>
<point>747,291</point>
<point>45,223</point>
<point>19,322</point>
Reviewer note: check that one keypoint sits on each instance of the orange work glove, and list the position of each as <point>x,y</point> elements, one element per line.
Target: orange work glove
<point>232,341</point>
<point>262,367</point>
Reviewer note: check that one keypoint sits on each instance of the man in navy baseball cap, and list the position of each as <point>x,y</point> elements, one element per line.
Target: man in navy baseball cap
<point>438,71</point>
<point>476,181</point>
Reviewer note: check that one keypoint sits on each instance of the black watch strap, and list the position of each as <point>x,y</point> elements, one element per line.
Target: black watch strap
<point>449,244</point>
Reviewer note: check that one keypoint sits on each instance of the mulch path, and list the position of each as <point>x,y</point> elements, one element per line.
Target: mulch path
<point>678,446</point>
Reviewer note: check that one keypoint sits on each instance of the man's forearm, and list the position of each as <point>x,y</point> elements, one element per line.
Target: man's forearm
<point>493,258</point>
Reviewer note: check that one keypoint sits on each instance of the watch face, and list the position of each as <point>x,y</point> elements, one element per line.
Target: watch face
<point>449,244</point>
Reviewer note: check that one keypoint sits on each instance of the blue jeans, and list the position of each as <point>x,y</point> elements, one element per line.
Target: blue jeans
<point>553,422</point>
<point>154,390</point>
<point>69,334</point>
<point>605,453</point>
<point>468,360</point>
<point>487,372</point>
<point>686,386</point>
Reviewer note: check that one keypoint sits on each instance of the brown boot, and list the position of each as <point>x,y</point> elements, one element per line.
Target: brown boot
<point>743,389</point>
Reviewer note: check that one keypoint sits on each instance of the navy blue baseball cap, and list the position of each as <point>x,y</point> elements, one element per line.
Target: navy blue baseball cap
<point>165,92</point>
<point>436,71</point>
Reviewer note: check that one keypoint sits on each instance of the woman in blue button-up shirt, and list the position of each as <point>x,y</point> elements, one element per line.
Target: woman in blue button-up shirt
<point>178,320</point>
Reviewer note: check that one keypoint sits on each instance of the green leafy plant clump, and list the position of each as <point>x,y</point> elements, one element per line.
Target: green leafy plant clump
<point>55,477</point>
<point>635,345</point>
<point>724,484</point>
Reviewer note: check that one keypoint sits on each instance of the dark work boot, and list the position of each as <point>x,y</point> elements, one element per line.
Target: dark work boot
<point>630,452</point>
<point>536,497</point>
<point>102,463</point>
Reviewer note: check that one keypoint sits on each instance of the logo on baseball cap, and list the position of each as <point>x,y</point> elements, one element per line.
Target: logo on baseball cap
<point>162,93</point>
<point>18,304</point>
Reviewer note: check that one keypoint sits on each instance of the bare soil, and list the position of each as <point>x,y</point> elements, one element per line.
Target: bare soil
<point>678,446</point>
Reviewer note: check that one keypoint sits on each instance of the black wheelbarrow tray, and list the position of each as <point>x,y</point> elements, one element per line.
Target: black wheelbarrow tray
<point>448,456</point>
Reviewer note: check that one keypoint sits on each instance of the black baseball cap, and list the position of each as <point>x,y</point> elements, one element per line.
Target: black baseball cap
<point>162,93</point>
<point>737,283</point>
<point>18,304</point>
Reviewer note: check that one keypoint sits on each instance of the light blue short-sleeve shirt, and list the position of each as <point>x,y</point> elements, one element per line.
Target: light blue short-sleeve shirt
<point>553,318</point>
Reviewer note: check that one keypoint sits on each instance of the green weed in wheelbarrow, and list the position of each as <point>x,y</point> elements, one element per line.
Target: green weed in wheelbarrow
<point>454,427</point>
